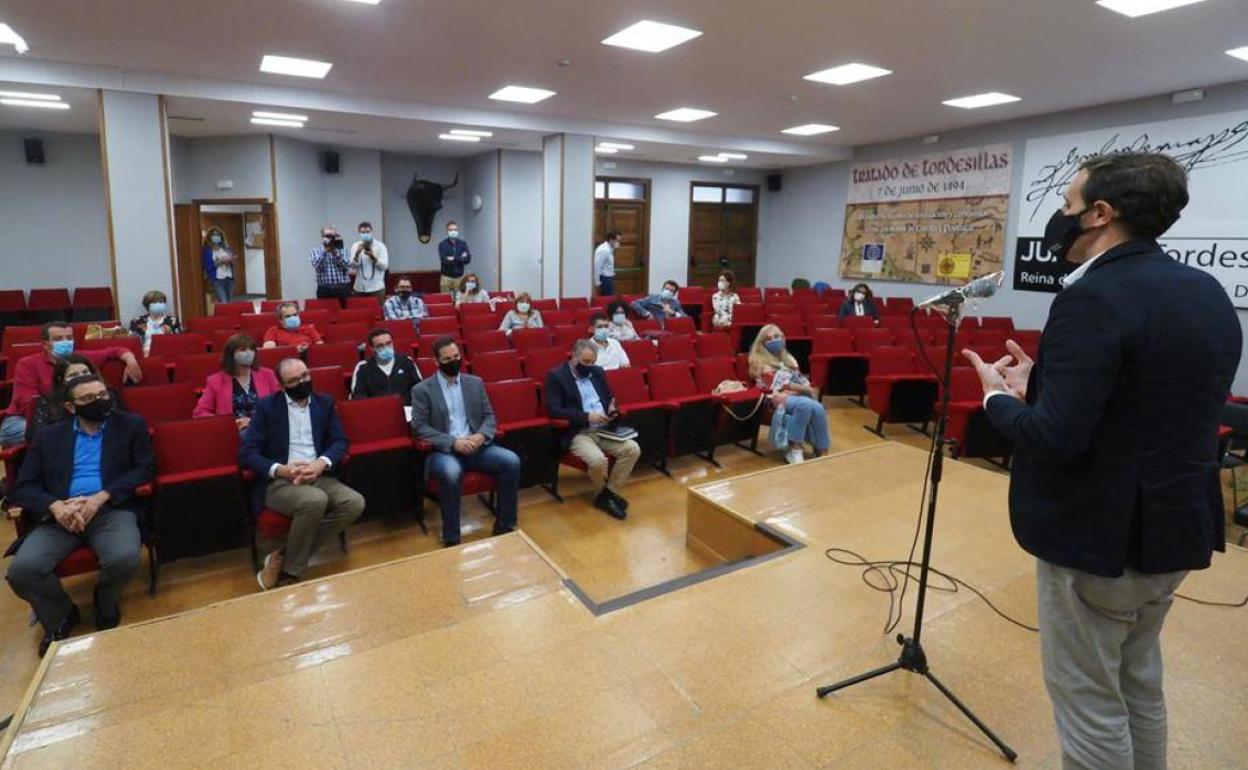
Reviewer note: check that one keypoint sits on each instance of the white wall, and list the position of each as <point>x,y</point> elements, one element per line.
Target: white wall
<point>406,251</point>
<point>300,213</point>
<point>138,197</point>
<point>805,222</point>
<point>520,220</point>
<point>552,212</point>
<point>578,216</point>
<point>58,205</point>
<point>669,210</point>
<point>480,178</point>
<point>198,163</point>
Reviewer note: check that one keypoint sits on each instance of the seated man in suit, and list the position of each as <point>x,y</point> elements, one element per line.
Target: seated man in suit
<point>295,438</point>
<point>386,372</point>
<point>77,487</point>
<point>452,411</point>
<point>579,393</point>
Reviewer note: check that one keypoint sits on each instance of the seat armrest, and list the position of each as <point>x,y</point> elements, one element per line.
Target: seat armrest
<point>145,490</point>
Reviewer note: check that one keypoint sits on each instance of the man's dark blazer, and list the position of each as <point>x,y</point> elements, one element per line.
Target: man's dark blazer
<point>267,438</point>
<point>1115,461</point>
<point>126,462</point>
<point>563,399</point>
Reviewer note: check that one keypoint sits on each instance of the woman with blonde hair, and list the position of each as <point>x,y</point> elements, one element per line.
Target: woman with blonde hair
<point>470,291</point>
<point>776,371</point>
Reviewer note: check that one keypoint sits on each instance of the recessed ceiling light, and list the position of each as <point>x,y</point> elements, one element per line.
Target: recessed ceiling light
<point>1239,53</point>
<point>522,94</point>
<point>733,155</point>
<point>301,68</point>
<point>8,36</point>
<point>34,103</point>
<point>651,36</point>
<point>685,115</point>
<point>471,132</point>
<point>1134,8</point>
<point>848,73</point>
<point>616,145</point>
<point>279,116</point>
<point>990,99</point>
<point>458,138</point>
<point>605,150</point>
<point>276,122</point>
<point>365,2</point>
<point>810,129</point>
<point>712,159</point>
<point>24,95</point>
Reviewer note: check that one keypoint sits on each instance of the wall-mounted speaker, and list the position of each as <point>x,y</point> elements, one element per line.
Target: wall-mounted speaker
<point>774,182</point>
<point>34,151</point>
<point>332,162</point>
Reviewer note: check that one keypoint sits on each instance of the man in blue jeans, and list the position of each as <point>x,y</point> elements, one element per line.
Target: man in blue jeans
<point>452,412</point>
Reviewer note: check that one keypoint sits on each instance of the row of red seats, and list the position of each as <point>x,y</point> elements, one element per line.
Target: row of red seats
<point>88,303</point>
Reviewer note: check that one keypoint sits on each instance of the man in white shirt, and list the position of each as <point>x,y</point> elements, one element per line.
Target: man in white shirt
<point>370,260</point>
<point>611,353</point>
<point>295,440</point>
<point>604,264</point>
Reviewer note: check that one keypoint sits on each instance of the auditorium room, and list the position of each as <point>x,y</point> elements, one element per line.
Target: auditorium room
<point>493,385</point>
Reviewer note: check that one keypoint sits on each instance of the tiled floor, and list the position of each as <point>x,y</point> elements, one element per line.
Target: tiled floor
<point>477,657</point>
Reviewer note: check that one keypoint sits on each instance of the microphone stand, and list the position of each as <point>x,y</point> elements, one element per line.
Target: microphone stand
<point>913,658</point>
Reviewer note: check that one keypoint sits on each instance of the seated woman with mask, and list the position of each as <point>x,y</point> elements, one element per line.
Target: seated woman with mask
<point>239,385</point>
<point>525,316</point>
<point>470,291</point>
<point>859,302</point>
<point>776,371</point>
<point>156,320</point>
<point>621,328</point>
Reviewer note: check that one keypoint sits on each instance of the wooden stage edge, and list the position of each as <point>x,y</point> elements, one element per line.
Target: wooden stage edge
<point>489,656</point>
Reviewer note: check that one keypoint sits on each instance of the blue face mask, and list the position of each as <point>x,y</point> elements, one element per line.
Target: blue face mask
<point>384,355</point>
<point>291,322</point>
<point>667,294</point>
<point>216,239</point>
<point>62,348</point>
<point>366,237</point>
<point>601,334</point>
<point>157,308</point>
<point>774,347</point>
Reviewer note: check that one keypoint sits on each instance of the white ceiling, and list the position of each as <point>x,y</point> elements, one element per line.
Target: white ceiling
<point>80,118</point>
<point>748,66</point>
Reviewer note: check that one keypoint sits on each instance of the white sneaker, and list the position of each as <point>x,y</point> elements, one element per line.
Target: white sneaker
<point>794,457</point>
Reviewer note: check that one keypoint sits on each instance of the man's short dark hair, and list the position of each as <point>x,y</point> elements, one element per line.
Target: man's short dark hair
<point>362,225</point>
<point>612,235</point>
<point>46,331</point>
<point>597,316</point>
<point>1147,189</point>
<point>375,333</point>
<point>670,282</point>
<point>440,344</point>
<point>76,382</point>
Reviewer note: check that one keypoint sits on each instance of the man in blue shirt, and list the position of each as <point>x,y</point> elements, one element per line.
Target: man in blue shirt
<point>77,487</point>
<point>453,255</point>
<point>661,306</point>
<point>334,274</point>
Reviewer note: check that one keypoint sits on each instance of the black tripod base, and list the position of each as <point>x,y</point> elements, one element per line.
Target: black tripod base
<point>913,659</point>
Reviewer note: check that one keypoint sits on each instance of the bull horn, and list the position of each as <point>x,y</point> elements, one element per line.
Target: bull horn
<point>454,182</point>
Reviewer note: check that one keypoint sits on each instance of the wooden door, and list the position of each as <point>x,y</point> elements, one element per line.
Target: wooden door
<point>723,232</point>
<point>193,290</point>
<point>272,260</point>
<point>230,223</point>
<point>630,217</point>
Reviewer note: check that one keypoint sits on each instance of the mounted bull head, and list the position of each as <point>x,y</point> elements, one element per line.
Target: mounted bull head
<point>424,199</point>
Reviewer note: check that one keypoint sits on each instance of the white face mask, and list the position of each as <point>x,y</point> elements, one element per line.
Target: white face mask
<point>470,286</point>
<point>723,285</point>
<point>453,233</point>
<point>522,307</point>
<point>859,296</point>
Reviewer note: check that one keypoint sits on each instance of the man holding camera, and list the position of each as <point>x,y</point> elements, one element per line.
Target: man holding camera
<point>333,269</point>
<point>369,260</point>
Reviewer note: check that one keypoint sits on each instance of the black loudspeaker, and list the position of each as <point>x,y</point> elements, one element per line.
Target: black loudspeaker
<point>331,160</point>
<point>34,151</point>
<point>774,182</point>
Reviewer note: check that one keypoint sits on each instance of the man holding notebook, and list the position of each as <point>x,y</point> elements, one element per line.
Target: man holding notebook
<point>579,394</point>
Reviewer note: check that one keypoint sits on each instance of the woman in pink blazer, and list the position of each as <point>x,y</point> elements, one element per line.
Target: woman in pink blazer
<point>239,385</point>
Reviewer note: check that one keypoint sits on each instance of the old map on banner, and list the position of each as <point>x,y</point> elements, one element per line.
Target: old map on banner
<point>937,218</point>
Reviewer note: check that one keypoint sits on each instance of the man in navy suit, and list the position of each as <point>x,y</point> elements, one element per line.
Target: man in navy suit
<point>579,393</point>
<point>77,486</point>
<point>1115,486</point>
<point>295,440</point>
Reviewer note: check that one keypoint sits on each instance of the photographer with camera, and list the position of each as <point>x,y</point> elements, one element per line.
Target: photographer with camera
<point>369,260</point>
<point>333,269</point>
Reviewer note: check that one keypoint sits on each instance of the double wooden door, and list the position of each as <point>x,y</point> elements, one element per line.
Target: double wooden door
<point>630,217</point>
<point>723,232</point>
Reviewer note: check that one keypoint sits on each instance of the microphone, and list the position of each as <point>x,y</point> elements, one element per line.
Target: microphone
<point>976,289</point>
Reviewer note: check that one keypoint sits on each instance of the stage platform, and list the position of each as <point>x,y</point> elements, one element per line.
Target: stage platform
<point>484,656</point>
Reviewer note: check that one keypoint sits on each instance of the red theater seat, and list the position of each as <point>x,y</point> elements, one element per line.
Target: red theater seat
<point>897,390</point>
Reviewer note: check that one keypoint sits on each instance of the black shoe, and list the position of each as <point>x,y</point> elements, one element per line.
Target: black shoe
<point>62,631</point>
<point>286,579</point>
<point>499,529</point>
<point>104,622</point>
<point>449,543</point>
<point>605,502</point>
<point>619,500</point>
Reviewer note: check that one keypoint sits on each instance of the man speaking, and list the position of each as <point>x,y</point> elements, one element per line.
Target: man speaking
<point>1115,487</point>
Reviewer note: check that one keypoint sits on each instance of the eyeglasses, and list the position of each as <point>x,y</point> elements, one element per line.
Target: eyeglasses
<point>91,398</point>
<point>301,380</point>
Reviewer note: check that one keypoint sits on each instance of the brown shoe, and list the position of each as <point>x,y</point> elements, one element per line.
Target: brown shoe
<point>268,575</point>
